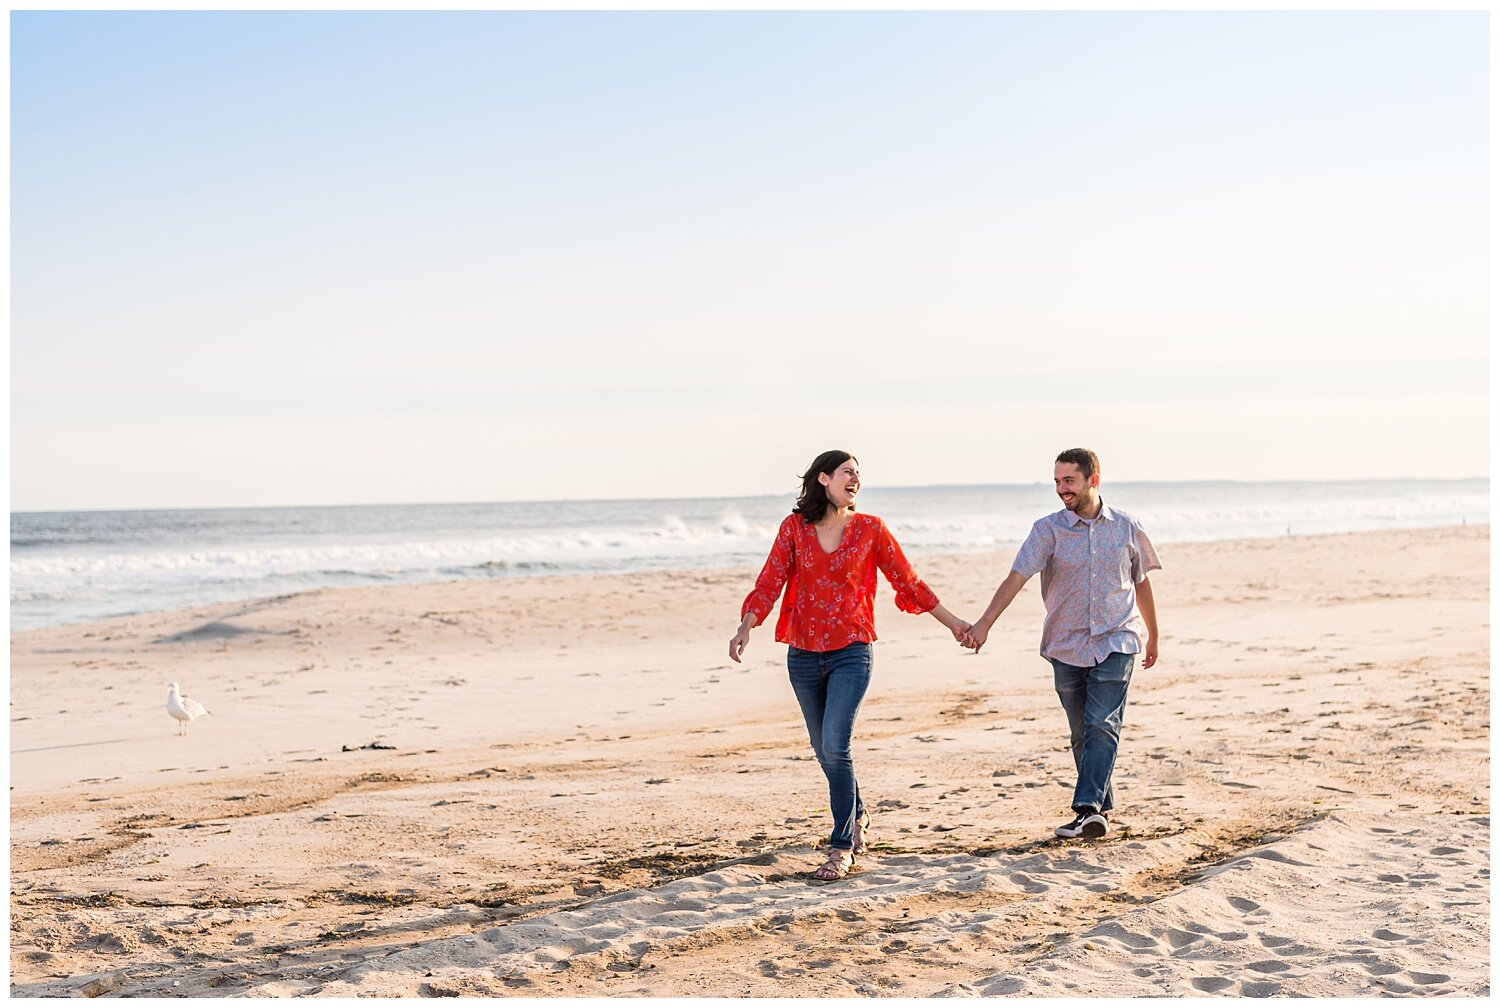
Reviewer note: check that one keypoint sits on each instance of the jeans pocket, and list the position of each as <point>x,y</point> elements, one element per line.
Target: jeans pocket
<point>858,656</point>
<point>1114,669</point>
<point>1067,679</point>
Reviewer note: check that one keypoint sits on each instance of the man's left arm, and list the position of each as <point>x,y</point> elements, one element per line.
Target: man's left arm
<point>1146,600</point>
<point>1144,561</point>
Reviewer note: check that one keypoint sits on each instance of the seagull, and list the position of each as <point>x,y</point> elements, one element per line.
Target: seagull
<point>183,709</point>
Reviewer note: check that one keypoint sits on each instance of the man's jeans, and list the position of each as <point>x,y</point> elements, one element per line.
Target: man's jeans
<point>829,687</point>
<point>1094,699</point>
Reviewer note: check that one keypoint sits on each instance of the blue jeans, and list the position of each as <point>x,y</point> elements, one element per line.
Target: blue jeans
<point>1094,699</point>
<point>829,687</point>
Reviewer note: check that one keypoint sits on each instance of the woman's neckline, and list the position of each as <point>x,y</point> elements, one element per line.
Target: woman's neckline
<point>843,534</point>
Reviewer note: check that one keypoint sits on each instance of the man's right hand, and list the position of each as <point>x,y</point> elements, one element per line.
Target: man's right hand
<point>979,633</point>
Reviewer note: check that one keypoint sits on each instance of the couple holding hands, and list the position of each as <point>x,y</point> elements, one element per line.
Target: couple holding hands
<point>1094,562</point>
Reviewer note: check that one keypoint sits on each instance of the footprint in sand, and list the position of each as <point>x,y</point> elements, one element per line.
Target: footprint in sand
<point>1180,939</point>
<point>1029,884</point>
<point>999,987</point>
<point>1211,985</point>
<point>1128,938</point>
<point>1260,988</point>
<point>1427,979</point>
<point>1377,968</point>
<point>1269,966</point>
<point>1243,905</point>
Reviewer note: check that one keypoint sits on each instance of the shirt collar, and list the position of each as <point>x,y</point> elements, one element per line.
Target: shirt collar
<point>1071,517</point>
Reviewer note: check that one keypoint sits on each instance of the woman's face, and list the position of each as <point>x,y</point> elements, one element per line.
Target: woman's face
<point>842,484</point>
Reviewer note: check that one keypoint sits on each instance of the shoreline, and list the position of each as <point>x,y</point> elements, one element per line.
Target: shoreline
<point>753,569</point>
<point>587,798</point>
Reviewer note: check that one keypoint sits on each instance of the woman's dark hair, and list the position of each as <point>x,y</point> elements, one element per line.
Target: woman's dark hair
<point>812,503</point>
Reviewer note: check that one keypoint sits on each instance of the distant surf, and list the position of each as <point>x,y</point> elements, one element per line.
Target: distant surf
<point>70,566</point>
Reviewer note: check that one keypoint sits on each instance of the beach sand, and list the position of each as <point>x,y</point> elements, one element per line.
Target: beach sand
<point>586,797</point>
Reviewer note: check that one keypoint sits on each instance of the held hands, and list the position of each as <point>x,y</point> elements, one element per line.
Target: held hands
<point>963,633</point>
<point>978,634</point>
<point>972,635</point>
<point>957,627</point>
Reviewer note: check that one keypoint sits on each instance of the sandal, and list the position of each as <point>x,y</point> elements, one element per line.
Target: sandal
<point>836,867</point>
<point>861,832</point>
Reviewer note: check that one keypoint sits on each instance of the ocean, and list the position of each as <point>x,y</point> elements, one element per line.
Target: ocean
<point>72,566</point>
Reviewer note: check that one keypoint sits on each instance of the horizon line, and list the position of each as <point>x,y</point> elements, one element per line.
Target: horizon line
<point>627,500</point>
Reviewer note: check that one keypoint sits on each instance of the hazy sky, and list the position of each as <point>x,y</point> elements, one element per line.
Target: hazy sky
<point>297,258</point>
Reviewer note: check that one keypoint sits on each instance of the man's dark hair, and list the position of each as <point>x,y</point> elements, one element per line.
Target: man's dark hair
<point>1083,459</point>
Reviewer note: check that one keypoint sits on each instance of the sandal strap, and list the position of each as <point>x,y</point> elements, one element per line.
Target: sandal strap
<point>839,862</point>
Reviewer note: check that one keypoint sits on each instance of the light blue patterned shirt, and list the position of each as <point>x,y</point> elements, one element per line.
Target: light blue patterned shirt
<point>1089,572</point>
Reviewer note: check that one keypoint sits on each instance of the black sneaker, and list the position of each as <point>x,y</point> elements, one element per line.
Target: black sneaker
<point>1088,824</point>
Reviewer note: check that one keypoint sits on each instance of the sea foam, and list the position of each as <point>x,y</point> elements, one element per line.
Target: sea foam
<point>71,566</point>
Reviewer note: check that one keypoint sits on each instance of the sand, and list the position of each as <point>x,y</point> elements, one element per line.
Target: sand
<point>586,797</point>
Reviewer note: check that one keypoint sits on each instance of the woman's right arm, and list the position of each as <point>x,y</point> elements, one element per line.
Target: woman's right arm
<point>762,598</point>
<point>742,637</point>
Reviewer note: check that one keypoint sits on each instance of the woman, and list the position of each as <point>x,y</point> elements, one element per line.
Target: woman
<point>826,556</point>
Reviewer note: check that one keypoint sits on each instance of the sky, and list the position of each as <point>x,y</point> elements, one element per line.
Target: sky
<point>276,258</point>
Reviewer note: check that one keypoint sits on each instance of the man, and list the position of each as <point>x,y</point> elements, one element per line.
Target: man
<point>1094,562</point>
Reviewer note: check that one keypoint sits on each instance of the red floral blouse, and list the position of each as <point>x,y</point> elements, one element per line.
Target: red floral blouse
<point>830,597</point>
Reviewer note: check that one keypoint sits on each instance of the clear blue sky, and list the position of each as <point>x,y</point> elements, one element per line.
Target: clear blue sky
<point>281,257</point>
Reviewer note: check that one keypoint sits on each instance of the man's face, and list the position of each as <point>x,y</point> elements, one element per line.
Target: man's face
<point>1073,489</point>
